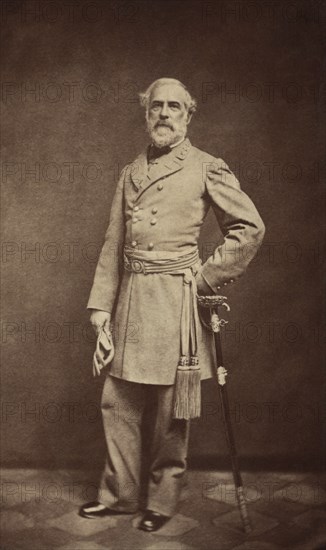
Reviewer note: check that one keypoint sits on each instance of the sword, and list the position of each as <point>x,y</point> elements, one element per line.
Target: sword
<point>213,303</point>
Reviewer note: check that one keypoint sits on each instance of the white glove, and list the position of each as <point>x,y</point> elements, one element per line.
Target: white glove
<point>104,351</point>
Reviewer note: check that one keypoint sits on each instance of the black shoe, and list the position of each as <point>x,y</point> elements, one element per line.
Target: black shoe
<point>95,510</point>
<point>152,521</point>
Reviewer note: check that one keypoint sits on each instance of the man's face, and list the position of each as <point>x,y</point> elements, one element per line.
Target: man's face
<point>167,116</point>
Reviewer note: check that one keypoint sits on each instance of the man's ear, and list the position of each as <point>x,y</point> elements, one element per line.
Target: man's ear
<point>189,117</point>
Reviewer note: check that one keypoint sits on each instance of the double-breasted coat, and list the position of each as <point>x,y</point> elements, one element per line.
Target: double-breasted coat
<point>160,208</point>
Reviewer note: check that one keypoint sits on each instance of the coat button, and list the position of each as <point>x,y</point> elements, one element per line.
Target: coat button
<point>154,210</point>
<point>135,220</point>
<point>225,284</point>
<point>150,246</point>
<point>231,280</point>
<point>160,186</point>
<point>153,221</point>
<point>134,244</point>
<point>218,288</point>
<point>136,208</point>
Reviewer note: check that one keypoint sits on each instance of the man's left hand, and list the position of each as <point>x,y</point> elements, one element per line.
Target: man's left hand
<point>203,289</point>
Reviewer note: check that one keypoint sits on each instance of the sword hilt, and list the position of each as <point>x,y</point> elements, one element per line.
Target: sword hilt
<point>213,303</point>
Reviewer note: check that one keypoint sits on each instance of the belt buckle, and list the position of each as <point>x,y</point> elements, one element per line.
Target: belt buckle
<point>138,266</point>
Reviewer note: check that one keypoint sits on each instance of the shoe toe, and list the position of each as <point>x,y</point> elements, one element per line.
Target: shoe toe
<point>152,521</point>
<point>92,509</point>
<point>97,510</point>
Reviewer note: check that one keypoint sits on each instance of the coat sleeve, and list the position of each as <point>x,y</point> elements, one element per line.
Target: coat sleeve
<point>240,223</point>
<point>107,274</point>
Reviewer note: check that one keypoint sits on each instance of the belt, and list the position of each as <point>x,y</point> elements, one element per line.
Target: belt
<point>141,261</point>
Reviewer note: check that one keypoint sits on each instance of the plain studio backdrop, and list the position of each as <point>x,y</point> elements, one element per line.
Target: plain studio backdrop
<point>71,121</point>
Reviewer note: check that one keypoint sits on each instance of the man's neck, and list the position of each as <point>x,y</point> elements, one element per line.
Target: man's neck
<point>178,142</point>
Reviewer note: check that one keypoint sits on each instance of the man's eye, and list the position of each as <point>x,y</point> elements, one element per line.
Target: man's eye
<point>175,106</point>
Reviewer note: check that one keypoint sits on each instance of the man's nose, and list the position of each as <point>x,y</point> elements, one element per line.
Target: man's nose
<point>164,112</point>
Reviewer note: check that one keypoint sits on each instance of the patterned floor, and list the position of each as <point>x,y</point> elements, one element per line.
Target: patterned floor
<point>39,512</point>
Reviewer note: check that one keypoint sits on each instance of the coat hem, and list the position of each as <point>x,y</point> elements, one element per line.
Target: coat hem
<point>153,383</point>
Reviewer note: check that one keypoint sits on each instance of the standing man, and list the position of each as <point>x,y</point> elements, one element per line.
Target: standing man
<point>145,283</point>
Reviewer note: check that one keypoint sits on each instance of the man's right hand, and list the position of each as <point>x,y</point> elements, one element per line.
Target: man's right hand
<point>100,319</point>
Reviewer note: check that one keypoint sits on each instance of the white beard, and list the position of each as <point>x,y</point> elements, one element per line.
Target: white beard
<point>162,135</point>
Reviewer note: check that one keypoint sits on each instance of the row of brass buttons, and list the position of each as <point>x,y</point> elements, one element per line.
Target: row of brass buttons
<point>150,245</point>
<point>225,284</point>
<point>153,221</point>
<point>136,219</point>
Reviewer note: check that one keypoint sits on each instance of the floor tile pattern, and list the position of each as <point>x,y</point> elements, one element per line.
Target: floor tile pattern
<point>287,511</point>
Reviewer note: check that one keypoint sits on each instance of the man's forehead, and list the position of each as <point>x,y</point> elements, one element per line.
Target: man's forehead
<point>168,92</point>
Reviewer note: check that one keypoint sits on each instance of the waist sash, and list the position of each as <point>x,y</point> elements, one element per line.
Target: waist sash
<point>141,261</point>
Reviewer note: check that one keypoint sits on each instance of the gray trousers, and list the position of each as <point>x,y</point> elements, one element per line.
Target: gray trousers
<point>147,448</point>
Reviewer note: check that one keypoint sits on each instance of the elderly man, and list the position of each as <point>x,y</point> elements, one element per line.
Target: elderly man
<point>147,273</point>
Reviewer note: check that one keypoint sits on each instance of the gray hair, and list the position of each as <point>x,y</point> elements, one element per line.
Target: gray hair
<point>191,103</point>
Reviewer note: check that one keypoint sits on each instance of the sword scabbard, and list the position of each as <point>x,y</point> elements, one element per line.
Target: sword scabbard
<point>213,303</point>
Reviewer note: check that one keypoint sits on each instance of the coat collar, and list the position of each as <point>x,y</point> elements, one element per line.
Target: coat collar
<point>142,178</point>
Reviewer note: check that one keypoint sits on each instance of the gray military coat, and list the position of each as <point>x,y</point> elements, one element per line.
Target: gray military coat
<point>159,210</point>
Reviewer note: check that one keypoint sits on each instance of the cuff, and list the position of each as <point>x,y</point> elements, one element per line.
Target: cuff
<point>203,287</point>
<point>98,309</point>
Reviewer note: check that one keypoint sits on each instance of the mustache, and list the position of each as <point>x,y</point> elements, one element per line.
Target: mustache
<point>164,124</point>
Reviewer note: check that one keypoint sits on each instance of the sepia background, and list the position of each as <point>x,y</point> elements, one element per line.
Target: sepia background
<point>70,77</point>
